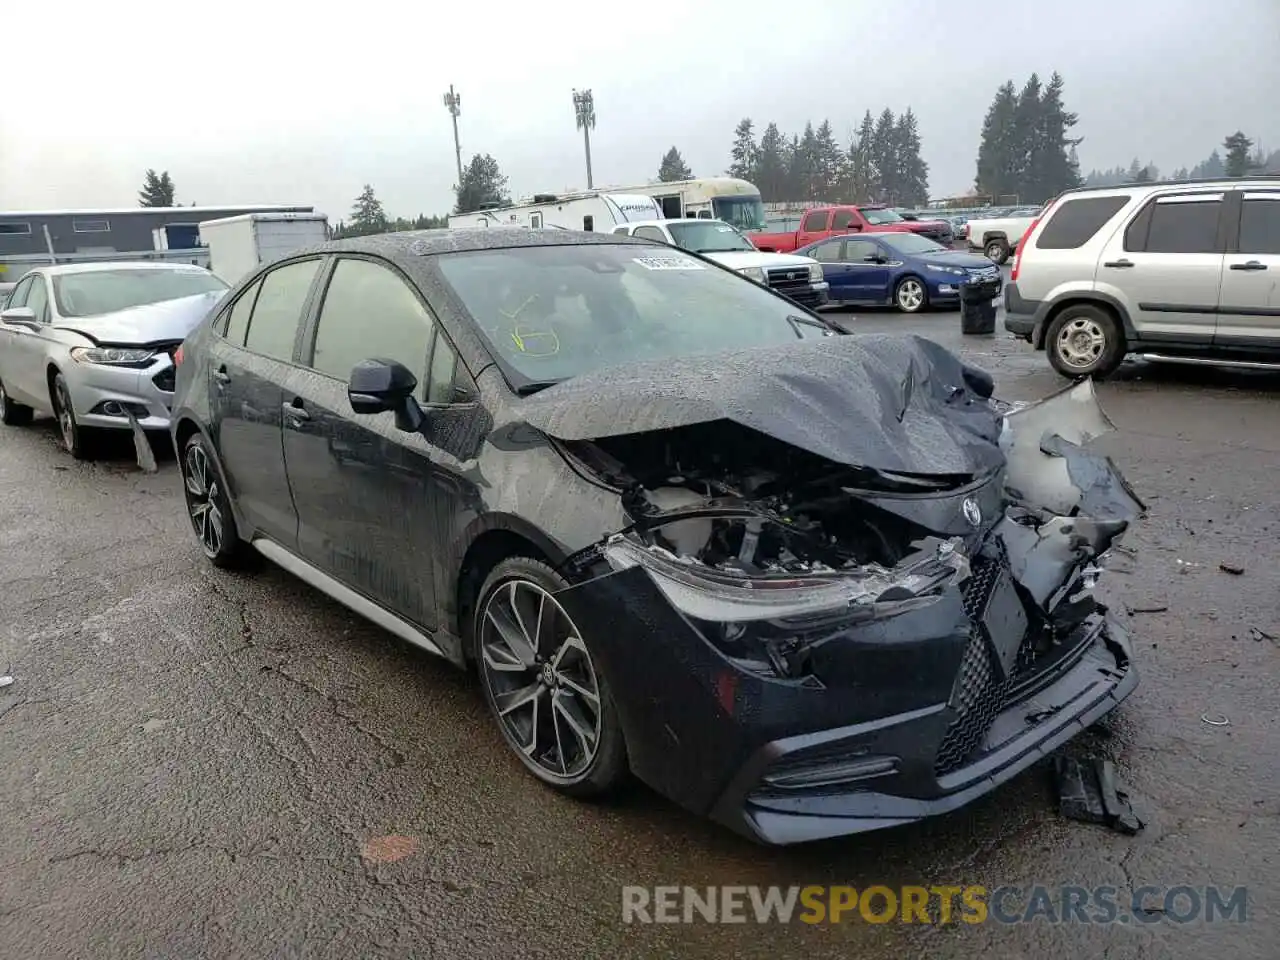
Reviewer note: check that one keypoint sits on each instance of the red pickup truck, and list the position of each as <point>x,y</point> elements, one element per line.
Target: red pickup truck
<point>818,223</point>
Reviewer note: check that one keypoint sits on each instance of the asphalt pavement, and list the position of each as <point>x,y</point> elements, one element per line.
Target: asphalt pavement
<point>202,764</point>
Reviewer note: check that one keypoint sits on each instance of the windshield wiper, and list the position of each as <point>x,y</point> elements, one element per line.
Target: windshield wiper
<point>796,320</point>
<point>533,386</point>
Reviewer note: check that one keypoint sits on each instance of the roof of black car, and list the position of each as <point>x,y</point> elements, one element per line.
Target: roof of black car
<point>425,243</point>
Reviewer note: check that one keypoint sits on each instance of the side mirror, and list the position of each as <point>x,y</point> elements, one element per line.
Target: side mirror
<point>377,386</point>
<point>18,315</point>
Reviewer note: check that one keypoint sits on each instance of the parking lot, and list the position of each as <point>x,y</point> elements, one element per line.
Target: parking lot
<point>198,763</point>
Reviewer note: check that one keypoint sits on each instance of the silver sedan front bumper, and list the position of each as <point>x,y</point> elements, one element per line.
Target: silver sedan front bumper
<point>101,393</point>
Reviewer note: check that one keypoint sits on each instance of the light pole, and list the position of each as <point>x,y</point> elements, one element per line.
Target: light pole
<point>453,101</point>
<point>584,108</point>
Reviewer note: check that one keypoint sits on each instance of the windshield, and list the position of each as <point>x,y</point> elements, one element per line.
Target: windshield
<point>880,216</point>
<point>745,213</point>
<point>554,312</point>
<point>708,236</point>
<point>106,291</point>
<point>910,243</point>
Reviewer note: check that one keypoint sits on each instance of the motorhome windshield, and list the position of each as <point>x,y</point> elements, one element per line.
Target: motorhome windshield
<point>745,213</point>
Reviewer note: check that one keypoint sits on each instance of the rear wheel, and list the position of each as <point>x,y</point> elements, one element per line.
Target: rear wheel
<point>208,505</point>
<point>910,295</point>
<point>1084,341</point>
<point>77,440</point>
<point>11,413</point>
<point>997,250</point>
<point>544,688</point>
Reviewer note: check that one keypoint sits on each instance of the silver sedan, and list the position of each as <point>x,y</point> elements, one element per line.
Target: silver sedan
<point>93,344</point>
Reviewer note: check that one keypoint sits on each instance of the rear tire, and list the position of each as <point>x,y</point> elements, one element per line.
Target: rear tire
<point>76,440</point>
<point>535,664</point>
<point>997,251</point>
<point>208,506</point>
<point>1085,341</point>
<point>11,413</point>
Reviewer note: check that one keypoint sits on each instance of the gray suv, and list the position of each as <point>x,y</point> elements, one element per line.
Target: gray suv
<point>1176,270</point>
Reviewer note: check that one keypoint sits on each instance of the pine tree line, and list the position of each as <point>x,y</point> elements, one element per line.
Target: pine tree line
<point>1025,154</point>
<point>882,164</point>
<point>1242,159</point>
<point>368,218</point>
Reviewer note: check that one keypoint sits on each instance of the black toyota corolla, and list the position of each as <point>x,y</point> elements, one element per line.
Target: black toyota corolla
<point>807,583</point>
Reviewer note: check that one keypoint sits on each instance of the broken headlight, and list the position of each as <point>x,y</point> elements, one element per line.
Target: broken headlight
<point>723,596</point>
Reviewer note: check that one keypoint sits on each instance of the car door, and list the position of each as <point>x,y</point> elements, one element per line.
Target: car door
<point>869,269</point>
<point>813,227</point>
<point>1249,305</point>
<point>30,351</point>
<point>390,483</point>
<point>1165,266</point>
<point>247,365</point>
<point>837,273</point>
<point>15,344</point>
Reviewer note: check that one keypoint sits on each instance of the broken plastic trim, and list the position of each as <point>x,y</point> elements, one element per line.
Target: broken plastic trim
<point>868,592</point>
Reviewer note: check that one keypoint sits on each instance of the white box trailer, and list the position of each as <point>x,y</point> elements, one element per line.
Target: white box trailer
<point>593,210</point>
<point>238,245</point>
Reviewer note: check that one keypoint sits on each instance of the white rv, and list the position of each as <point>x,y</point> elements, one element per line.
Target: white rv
<point>734,201</point>
<point>593,210</point>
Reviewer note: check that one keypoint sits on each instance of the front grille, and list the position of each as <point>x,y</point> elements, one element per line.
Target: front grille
<point>979,690</point>
<point>793,283</point>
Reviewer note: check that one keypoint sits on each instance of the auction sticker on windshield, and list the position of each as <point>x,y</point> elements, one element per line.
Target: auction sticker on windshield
<point>668,263</point>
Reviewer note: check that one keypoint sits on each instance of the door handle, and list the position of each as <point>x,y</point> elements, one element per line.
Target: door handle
<point>1251,265</point>
<point>1118,264</point>
<point>295,413</point>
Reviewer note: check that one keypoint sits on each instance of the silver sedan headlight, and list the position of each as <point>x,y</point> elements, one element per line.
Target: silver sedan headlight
<point>113,356</point>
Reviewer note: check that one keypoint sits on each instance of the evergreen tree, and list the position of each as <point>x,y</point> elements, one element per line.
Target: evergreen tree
<point>157,190</point>
<point>1135,169</point>
<point>861,169</point>
<point>1022,142</point>
<point>828,164</point>
<point>792,161</point>
<point>1238,146</point>
<point>673,167</point>
<point>911,170</point>
<point>1181,174</point>
<point>771,166</point>
<point>367,215</point>
<point>996,167</point>
<point>482,184</point>
<point>745,155</point>
<point>884,159</point>
<point>1052,169</point>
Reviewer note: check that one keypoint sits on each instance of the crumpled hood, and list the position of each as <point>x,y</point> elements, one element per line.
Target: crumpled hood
<point>153,323</point>
<point>890,403</point>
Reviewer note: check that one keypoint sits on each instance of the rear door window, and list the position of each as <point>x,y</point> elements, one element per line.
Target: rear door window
<point>828,252</point>
<point>1260,223</point>
<point>1077,221</point>
<point>1182,223</point>
<point>815,222</point>
<point>273,327</point>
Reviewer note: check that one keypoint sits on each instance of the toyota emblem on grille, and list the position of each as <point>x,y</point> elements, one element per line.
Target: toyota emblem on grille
<point>972,512</point>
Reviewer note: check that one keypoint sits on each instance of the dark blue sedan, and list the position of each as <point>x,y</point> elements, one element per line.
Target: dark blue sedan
<point>905,270</point>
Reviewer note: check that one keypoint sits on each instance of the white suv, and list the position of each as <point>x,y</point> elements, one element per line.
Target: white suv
<point>1174,270</point>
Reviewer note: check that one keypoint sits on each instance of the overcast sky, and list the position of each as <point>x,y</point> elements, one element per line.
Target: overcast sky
<point>269,102</point>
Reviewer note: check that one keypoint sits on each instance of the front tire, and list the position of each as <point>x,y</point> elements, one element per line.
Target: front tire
<point>910,295</point>
<point>11,413</point>
<point>76,440</point>
<point>547,694</point>
<point>1084,341</point>
<point>208,505</point>
<point>997,251</point>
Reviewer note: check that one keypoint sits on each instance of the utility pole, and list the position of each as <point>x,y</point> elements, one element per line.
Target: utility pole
<point>584,108</point>
<point>454,103</point>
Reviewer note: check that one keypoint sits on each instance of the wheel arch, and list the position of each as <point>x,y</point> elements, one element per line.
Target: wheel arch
<point>1088,297</point>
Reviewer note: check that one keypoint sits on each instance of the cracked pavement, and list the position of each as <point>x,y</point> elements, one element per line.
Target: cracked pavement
<point>202,764</point>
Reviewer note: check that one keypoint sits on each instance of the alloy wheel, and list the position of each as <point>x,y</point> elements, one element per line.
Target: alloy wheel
<point>203,496</point>
<point>66,416</point>
<point>910,295</point>
<point>1081,342</point>
<point>542,681</point>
